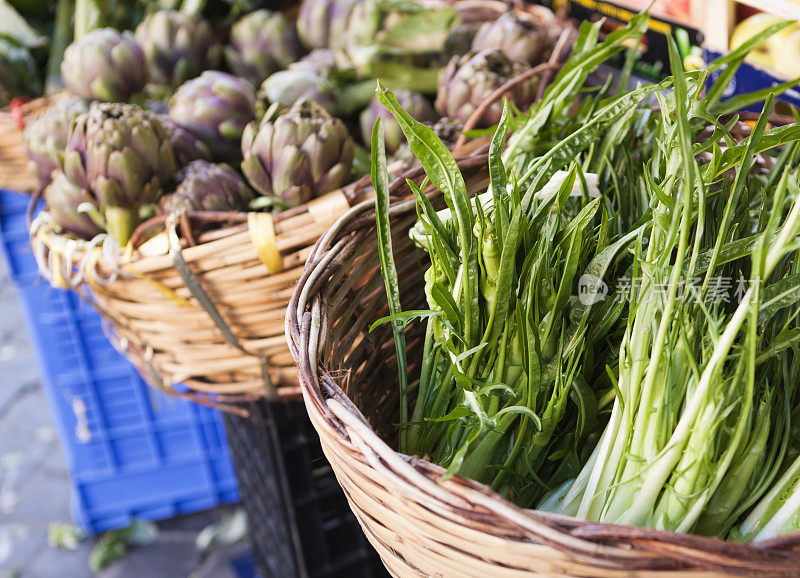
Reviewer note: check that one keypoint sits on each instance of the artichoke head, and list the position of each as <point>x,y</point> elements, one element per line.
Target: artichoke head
<point>216,107</point>
<point>205,186</point>
<point>522,37</point>
<point>298,155</point>
<point>468,80</point>
<point>261,43</point>
<point>123,155</point>
<point>177,46</point>
<point>413,103</point>
<point>324,23</point>
<point>66,203</point>
<point>104,65</point>
<point>46,136</point>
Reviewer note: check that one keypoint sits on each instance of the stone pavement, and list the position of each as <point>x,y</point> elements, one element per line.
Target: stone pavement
<point>35,491</point>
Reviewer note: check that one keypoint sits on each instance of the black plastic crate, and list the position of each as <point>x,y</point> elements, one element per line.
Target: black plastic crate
<point>300,523</point>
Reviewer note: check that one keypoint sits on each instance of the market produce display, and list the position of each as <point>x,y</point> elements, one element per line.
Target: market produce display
<point>35,34</point>
<point>194,160</point>
<point>592,281</point>
<point>612,328</point>
<point>189,89</point>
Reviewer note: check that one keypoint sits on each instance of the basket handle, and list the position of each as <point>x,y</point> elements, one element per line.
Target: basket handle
<point>199,293</point>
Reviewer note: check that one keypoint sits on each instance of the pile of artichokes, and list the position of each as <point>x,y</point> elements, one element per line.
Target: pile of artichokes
<point>257,112</point>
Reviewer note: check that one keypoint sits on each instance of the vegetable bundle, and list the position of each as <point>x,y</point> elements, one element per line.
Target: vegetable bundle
<point>612,328</point>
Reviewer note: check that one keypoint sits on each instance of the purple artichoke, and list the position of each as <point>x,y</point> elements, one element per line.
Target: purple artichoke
<point>324,23</point>
<point>178,46</point>
<point>122,155</point>
<point>301,154</point>
<point>306,79</point>
<point>205,186</point>
<point>105,65</point>
<point>186,146</point>
<point>413,103</point>
<point>216,107</point>
<point>47,135</point>
<point>468,80</point>
<point>522,37</point>
<point>64,199</point>
<point>261,43</point>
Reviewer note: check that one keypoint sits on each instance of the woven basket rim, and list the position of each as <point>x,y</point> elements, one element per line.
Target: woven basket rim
<point>621,548</point>
<point>45,233</point>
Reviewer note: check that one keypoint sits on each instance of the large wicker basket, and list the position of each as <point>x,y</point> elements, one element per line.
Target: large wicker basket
<point>14,173</point>
<point>203,309</point>
<point>420,525</point>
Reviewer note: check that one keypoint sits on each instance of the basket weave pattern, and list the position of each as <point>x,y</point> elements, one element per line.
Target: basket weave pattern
<point>422,526</point>
<point>160,321</point>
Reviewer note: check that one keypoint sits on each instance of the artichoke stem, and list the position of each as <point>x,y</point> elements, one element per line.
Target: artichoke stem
<point>121,222</point>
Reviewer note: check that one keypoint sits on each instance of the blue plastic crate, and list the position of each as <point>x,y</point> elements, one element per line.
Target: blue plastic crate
<point>131,451</point>
<point>750,78</point>
<point>14,238</point>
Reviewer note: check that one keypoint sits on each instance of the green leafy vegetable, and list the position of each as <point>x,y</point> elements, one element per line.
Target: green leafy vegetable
<point>613,329</point>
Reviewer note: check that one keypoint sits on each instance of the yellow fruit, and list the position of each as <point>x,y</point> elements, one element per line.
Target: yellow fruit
<point>780,53</point>
<point>785,50</point>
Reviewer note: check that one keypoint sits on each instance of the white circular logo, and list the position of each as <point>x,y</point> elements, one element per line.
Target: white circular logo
<point>591,289</point>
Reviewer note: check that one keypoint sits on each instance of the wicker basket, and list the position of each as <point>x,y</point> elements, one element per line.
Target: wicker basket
<point>422,526</point>
<point>204,310</point>
<point>14,173</point>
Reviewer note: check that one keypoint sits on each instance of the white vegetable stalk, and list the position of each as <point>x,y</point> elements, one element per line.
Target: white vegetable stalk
<point>778,512</point>
<point>682,420</point>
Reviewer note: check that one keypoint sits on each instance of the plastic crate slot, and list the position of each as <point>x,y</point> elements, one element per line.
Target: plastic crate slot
<point>307,529</point>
